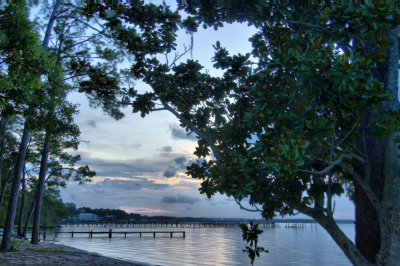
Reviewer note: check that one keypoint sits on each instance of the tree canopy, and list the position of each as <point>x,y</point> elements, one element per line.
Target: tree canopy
<point>34,93</point>
<point>295,122</point>
<point>310,113</point>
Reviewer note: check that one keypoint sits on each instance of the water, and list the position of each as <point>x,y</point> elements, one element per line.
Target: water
<point>309,245</point>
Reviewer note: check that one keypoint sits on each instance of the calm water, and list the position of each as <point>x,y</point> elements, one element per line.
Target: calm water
<point>309,245</point>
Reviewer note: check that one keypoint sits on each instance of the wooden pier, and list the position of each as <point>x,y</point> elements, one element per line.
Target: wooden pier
<point>165,224</point>
<point>110,233</point>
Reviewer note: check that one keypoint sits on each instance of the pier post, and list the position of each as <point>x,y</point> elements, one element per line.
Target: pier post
<point>110,233</point>
<point>171,234</point>
<point>140,234</point>
<point>154,234</point>
<point>184,234</point>
<point>72,234</point>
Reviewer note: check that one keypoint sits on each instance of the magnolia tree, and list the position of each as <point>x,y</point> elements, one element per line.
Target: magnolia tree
<point>311,113</point>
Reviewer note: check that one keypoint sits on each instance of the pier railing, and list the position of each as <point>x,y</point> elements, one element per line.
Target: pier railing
<point>110,233</point>
<point>205,224</point>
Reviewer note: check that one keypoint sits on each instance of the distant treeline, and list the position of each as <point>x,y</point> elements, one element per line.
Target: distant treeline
<point>116,215</point>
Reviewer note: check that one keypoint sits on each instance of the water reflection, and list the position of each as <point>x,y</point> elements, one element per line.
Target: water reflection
<point>309,245</point>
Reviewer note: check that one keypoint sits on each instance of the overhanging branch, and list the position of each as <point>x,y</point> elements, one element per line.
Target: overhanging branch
<point>365,187</point>
<point>336,162</point>
<point>329,224</point>
<point>247,209</point>
<point>201,134</point>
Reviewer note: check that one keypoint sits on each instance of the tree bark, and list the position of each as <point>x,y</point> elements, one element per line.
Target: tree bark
<point>29,216</point>
<point>349,249</point>
<point>391,195</point>
<point>39,193</point>
<point>50,24</point>
<point>12,205</point>
<point>368,233</point>
<point>380,243</point>
<point>22,207</point>
<point>3,189</point>
<point>368,229</point>
<point>2,145</point>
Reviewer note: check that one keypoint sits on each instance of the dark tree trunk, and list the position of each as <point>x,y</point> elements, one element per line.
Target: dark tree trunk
<point>3,189</point>
<point>2,145</point>
<point>22,207</point>
<point>39,193</point>
<point>368,230</point>
<point>368,235</point>
<point>12,205</point>
<point>29,216</point>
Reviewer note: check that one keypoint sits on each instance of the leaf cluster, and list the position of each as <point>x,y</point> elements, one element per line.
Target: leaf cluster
<point>250,235</point>
<point>299,107</point>
<point>22,60</point>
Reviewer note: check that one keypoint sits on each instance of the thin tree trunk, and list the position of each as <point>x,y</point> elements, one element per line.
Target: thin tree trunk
<point>50,24</point>
<point>40,190</point>
<point>3,189</point>
<point>22,207</point>
<point>2,145</point>
<point>29,216</point>
<point>45,154</point>
<point>12,205</point>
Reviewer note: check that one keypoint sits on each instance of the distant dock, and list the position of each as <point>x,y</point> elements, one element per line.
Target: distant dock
<point>110,233</point>
<point>169,224</point>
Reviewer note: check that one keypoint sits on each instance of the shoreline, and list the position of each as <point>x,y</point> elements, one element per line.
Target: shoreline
<point>50,253</point>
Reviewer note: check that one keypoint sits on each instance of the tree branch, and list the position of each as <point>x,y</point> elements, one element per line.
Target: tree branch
<point>78,43</point>
<point>365,187</point>
<point>348,134</point>
<point>310,25</point>
<point>201,134</point>
<point>158,109</point>
<point>247,209</point>
<point>334,163</point>
<point>329,224</point>
<point>50,24</point>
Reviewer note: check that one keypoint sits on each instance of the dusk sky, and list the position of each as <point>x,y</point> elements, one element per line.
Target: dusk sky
<point>141,162</point>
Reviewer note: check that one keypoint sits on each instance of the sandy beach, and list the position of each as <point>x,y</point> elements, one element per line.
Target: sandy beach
<point>50,253</point>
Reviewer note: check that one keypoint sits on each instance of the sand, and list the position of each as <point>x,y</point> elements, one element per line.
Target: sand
<point>50,253</point>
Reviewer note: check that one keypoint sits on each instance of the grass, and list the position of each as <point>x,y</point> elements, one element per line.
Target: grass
<point>49,250</point>
<point>14,242</point>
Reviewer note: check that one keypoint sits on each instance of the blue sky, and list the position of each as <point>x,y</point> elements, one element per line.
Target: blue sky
<point>140,163</point>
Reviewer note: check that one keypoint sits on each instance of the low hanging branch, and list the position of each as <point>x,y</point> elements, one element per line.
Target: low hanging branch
<point>207,137</point>
<point>334,163</point>
<point>366,188</point>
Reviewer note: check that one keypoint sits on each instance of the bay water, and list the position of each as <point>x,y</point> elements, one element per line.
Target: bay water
<point>307,244</point>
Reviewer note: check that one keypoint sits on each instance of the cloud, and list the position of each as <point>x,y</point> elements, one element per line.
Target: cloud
<point>170,172</point>
<point>125,168</point>
<point>179,163</point>
<point>137,183</point>
<point>135,146</point>
<point>92,123</point>
<point>166,149</point>
<point>180,199</point>
<point>143,210</point>
<point>179,133</point>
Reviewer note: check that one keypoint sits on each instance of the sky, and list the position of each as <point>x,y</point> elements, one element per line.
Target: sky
<point>141,162</point>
